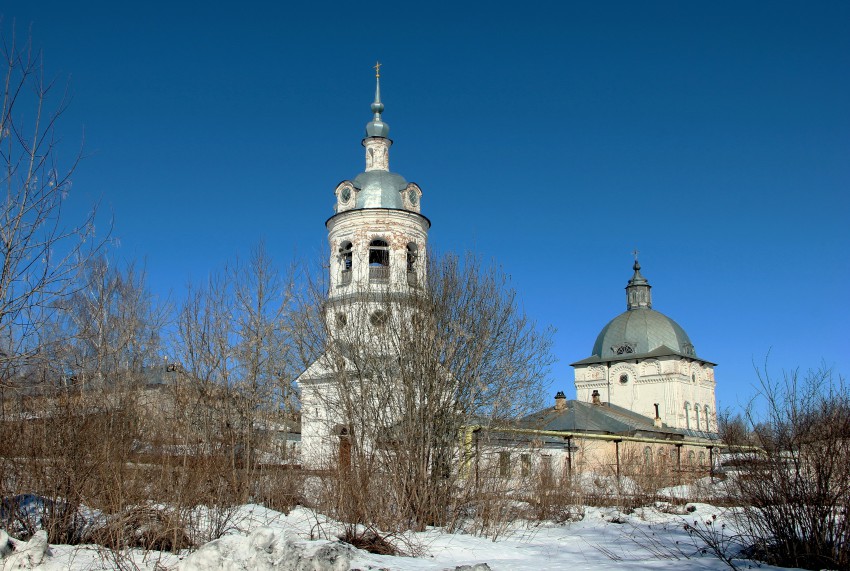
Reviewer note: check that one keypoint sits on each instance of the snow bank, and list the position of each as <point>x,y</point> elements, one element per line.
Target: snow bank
<point>648,538</point>
<point>267,549</point>
<point>22,555</point>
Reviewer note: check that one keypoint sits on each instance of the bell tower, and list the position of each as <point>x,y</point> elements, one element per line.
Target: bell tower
<point>378,235</point>
<point>378,241</point>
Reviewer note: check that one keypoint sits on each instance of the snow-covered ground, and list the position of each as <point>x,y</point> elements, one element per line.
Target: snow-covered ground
<point>260,538</point>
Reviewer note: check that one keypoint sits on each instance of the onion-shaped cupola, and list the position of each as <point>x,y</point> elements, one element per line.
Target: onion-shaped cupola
<point>376,127</point>
<point>376,186</point>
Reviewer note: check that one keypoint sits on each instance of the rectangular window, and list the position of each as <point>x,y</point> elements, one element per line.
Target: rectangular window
<point>525,463</point>
<point>505,464</point>
<point>546,470</point>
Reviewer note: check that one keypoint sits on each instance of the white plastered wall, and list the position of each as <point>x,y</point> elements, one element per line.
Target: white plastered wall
<point>670,381</point>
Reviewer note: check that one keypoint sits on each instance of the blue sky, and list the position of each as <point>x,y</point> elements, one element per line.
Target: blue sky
<point>551,137</point>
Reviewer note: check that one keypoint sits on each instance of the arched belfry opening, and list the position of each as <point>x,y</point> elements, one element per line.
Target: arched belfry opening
<point>412,263</point>
<point>346,262</point>
<point>379,261</point>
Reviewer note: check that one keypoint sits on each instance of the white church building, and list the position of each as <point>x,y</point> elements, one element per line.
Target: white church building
<point>644,361</point>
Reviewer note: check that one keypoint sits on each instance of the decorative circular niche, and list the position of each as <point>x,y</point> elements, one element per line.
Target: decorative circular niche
<point>379,318</point>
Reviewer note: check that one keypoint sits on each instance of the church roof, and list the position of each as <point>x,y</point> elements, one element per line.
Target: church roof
<point>586,417</point>
<point>662,351</point>
<point>377,187</point>
<point>607,418</point>
<point>640,331</point>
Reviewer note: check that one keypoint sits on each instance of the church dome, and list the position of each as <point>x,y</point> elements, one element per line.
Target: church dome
<point>379,189</point>
<point>641,331</point>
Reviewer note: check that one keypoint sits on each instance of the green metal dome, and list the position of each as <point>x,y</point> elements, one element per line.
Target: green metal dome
<point>641,331</point>
<point>379,189</point>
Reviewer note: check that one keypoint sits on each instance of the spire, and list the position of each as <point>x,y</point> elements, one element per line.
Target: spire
<point>376,127</point>
<point>638,295</point>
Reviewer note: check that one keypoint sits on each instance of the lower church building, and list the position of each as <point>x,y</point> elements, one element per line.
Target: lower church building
<point>643,392</point>
<point>643,397</point>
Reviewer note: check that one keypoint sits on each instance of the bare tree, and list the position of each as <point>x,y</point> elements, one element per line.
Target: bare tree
<point>40,252</point>
<point>73,442</point>
<point>109,327</point>
<point>795,495</point>
<point>733,429</point>
<point>233,344</point>
<point>400,380</point>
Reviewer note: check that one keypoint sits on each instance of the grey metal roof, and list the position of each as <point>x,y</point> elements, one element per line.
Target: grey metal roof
<point>578,416</point>
<point>379,189</point>
<point>640,331</point>
<point>377,128</point>
<point>643,330</point>
<point>586,417</point>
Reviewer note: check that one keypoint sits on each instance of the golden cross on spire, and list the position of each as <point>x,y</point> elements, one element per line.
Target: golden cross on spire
<point>378,69</point>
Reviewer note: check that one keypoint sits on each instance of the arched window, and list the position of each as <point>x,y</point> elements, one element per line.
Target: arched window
<point>345,262</point>
<point>379,261</point>
<point>691,458</point>
<point>647,456</point>
<point>702,458</point>
<point>696,414</point>
<point>412,257</point>
<point>687,415</point>
<point>707,417</point>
